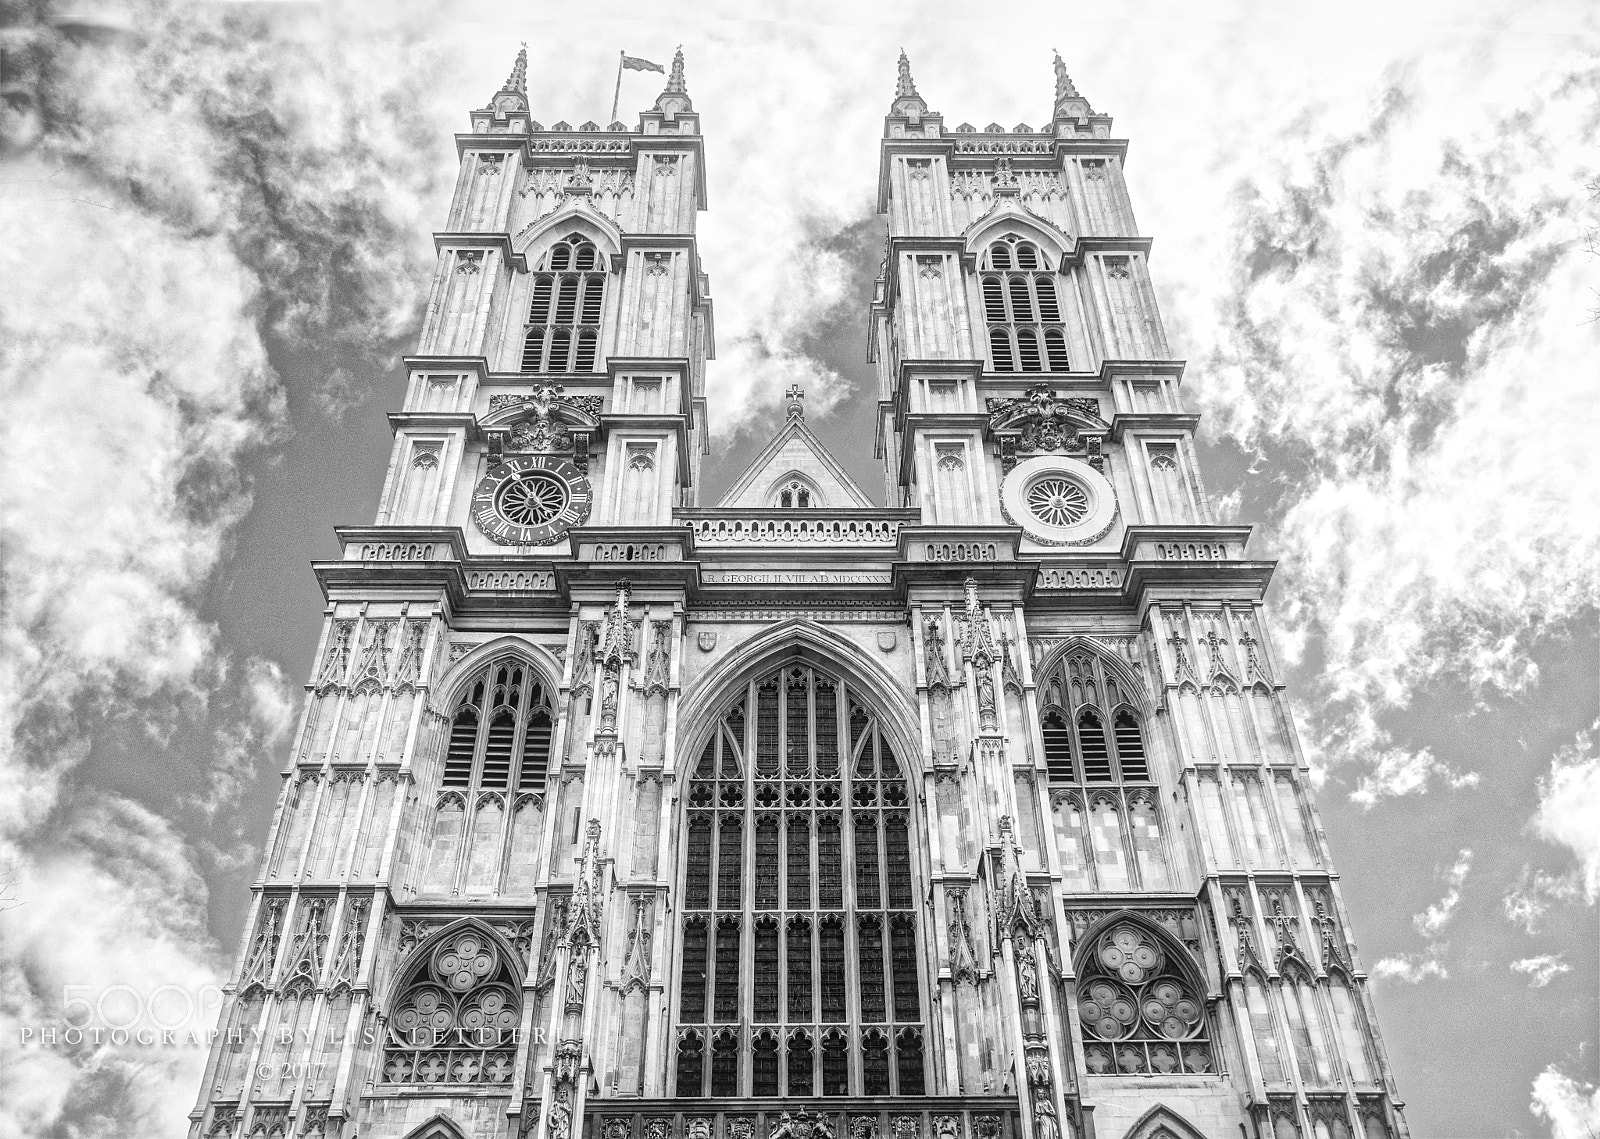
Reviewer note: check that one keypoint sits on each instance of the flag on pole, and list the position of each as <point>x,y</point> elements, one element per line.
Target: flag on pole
<point>634,63</point>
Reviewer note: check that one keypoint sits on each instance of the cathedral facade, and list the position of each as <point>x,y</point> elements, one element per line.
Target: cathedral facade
<point>613,813</point>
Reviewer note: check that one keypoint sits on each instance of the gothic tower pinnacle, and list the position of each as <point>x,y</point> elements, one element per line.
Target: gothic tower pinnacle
<point>516,84</point>
<point>1069,103</point>
<point>906,100</point>
<point>674,96</point>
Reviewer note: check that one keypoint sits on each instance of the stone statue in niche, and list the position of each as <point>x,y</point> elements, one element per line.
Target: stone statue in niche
<point>1027,975</point>
<point>980,652</point>
<point>560,1117</point>
<point>577,980</point>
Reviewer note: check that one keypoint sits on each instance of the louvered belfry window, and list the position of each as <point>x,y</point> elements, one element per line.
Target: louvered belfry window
<point>569,293</point>
<point>1022,308</point>
<point>1103,795</point>
<point>800,972</point>
<point>500,733</point>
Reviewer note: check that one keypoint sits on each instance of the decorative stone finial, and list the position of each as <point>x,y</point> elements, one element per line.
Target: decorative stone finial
<point>797,401</point>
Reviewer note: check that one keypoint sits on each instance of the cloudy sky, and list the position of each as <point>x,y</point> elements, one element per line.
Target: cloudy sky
<point>1372,240</point>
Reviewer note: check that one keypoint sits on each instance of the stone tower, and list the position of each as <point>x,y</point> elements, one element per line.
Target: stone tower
<point>979,815</point>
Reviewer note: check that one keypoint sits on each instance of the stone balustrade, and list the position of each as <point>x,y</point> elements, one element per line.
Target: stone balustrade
<point>795,530</point>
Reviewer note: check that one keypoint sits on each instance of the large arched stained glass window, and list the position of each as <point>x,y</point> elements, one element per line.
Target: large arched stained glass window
<point>799,973</point>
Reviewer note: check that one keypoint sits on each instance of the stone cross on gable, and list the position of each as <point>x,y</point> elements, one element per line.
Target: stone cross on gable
<point>796,396</point>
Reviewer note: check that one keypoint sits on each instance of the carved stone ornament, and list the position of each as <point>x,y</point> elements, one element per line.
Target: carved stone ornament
<point>564,1067</point>
<point>933,652</point>
<point>963,957</point>
<point>741,1127</point>
<point>947,1126</point>
<point>887,640</point>
<point>697,1127</point>
<point>658,1127</point>
<point>907,1127</point>
<point>1243,933</point>
<point>1043,421</point>
<point>658,667</point>
<point>864,1127</point>
<point>706,640</point>
<point>1182,666</point>
<point>617,1127</point>
<point>808,1126</point>
<point>583,913</point>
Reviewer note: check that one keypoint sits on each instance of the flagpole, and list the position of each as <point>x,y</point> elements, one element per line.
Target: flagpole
<point>616,97</point>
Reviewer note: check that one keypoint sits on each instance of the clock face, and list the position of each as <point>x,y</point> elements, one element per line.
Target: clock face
<point>531,501</point>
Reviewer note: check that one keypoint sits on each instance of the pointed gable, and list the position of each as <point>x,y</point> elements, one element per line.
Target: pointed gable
<point>795,454</point>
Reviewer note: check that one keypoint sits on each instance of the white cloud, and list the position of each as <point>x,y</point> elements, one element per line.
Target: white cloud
<point>1569,807</point>
<point>1535,891</point>
<point>195,192</point>
<point>1412,968</point>
<point>1543,969</point>
<point>1416,967</point>
<point>1432,921</point>
<point>1571,1108</point>
<point>112,914</point>
<point>1404,338</point>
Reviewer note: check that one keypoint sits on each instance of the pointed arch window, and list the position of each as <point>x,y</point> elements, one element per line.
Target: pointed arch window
<point>454,1020</point>
<point>490,807</point>
<point>564,310</point>
<point>1141,1012</point>
<point>1109,820</point>
<point>798,864</point>
<point>1022,308</point>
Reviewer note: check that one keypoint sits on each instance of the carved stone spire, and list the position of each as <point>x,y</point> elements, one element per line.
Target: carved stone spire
<point>513,93</point>
<point>675,96</point>
<point>907,102</point>
<point>904,84</point>
<point>1069,103</point>
<point>517,81</point>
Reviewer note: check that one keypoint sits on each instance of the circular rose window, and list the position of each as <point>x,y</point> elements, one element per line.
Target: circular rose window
<point>536,497</point>
<point>1059,501</point>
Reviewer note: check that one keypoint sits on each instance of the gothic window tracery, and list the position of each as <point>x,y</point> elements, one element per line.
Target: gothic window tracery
<point>455,1018</point>
<point>568,297</point>
<point>798,875</point>
<point>1022,308</point>
<point>796,493</point>
<point>1108,819</point>
<point>1141,1012</point>
<point>489,812</point>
